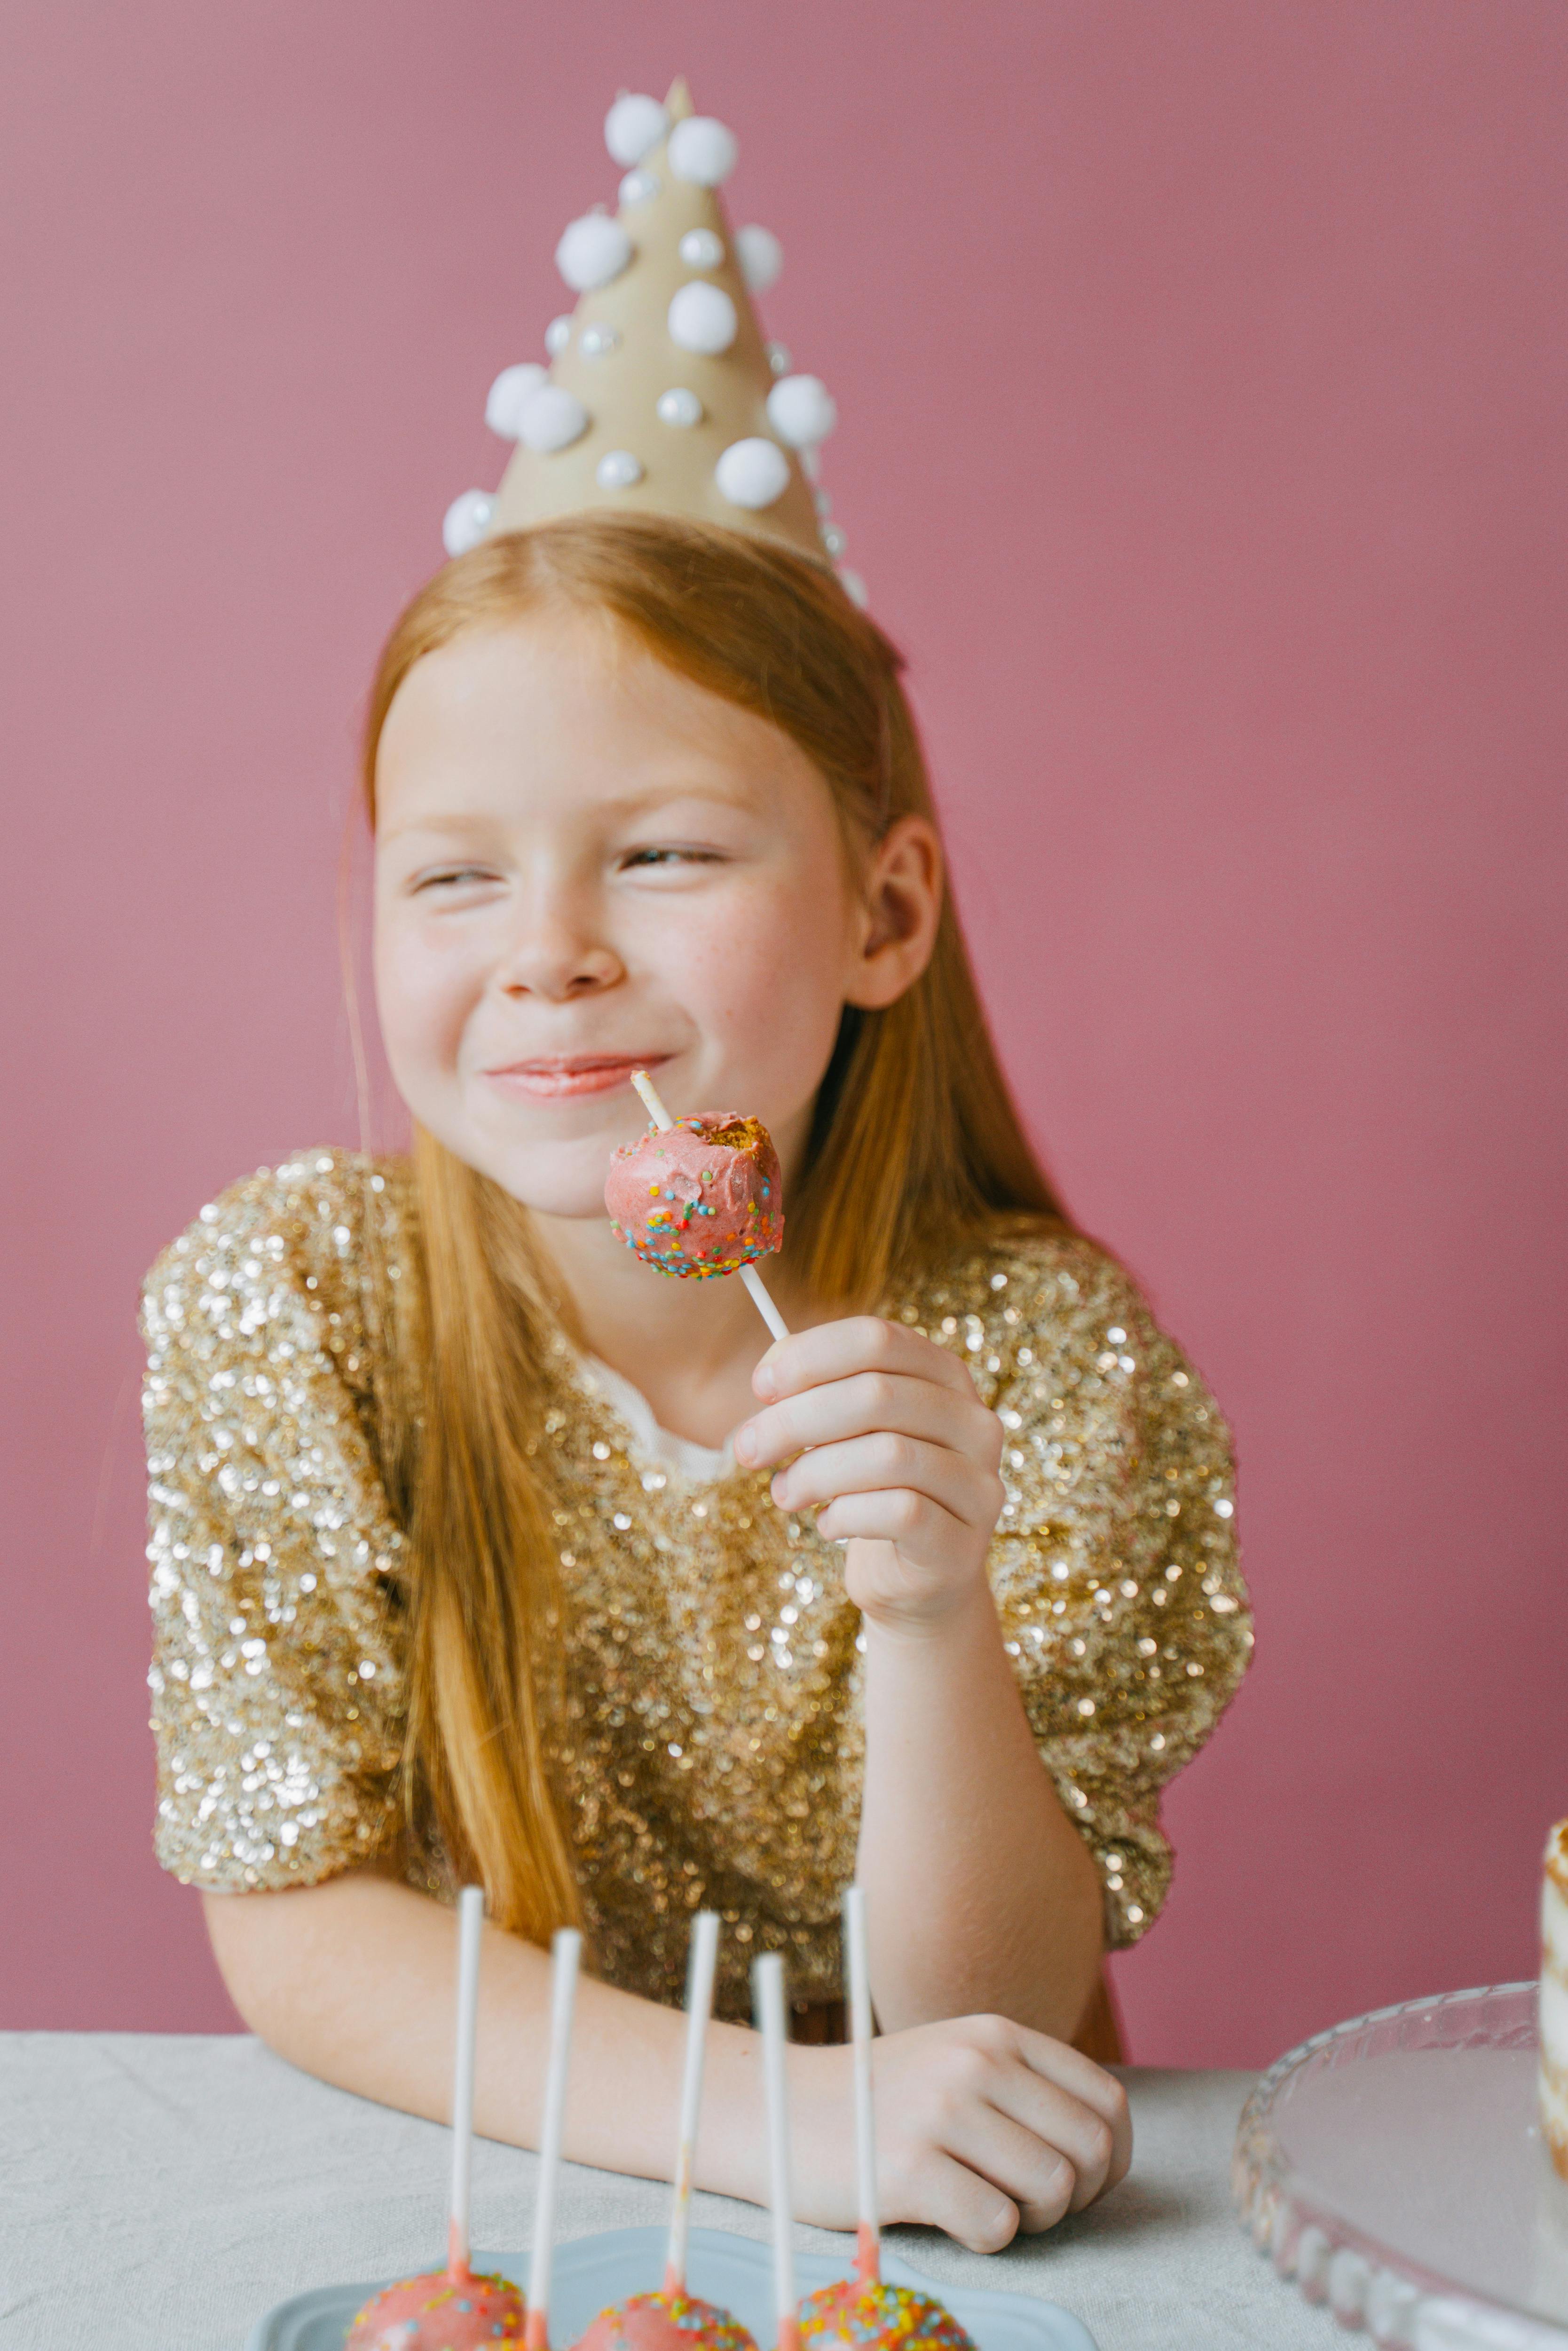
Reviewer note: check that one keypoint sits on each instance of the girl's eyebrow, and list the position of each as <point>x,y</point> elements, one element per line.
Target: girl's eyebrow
<point>620,807</point>
<point>437,828</point>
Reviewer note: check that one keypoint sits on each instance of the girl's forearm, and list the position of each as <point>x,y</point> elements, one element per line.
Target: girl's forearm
<point>354,1982</point>
<point>980,1894</point>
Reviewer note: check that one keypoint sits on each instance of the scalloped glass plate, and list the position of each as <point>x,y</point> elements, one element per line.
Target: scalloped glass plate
<point>1395,2169</point>
<point>735,2271</point>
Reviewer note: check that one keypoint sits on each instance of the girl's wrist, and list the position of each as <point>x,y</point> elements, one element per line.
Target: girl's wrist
<point>818,2101</point>
<point>967,1612</point>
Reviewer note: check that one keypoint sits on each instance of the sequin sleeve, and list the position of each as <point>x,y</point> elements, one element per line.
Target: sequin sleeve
<point>1115,1563</point>
<point>276,1677</point>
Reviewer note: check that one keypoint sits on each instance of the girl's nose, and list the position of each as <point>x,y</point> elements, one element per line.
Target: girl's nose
<point>557,961</point>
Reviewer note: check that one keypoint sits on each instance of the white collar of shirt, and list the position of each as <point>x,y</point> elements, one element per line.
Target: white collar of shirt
<point>698,1464</point>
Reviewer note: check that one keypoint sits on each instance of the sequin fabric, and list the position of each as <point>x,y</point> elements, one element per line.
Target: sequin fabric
<point>878,2318</point>
<point>710,1750</point>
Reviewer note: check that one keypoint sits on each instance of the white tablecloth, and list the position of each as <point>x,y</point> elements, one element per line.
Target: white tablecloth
<point>158,2193</point>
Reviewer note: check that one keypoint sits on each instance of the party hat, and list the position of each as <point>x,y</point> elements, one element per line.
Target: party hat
<point>662,394</point>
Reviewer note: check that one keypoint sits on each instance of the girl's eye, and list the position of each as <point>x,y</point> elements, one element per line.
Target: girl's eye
<point>454,877</point>
<point>657,857</point>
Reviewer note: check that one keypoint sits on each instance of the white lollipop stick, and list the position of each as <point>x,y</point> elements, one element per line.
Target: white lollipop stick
<point>470,1931</point>
<point>699,2008</point>
<point>767,1994</point>
<point>749,1273</point>
<point>567,1950</point>
<point>868,2235</point>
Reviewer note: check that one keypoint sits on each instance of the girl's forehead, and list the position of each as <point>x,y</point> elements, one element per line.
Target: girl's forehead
<point>569,709</point>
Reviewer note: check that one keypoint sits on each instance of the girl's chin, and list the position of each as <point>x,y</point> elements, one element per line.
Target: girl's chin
<point>568,1186</point>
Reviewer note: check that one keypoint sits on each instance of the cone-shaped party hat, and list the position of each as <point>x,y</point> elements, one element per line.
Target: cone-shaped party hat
<point>662,395</point>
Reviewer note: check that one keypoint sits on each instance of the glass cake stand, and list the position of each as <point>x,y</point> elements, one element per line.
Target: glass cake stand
<point>1395,2169</point>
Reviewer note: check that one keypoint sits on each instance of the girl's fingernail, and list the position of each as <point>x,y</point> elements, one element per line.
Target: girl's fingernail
<point>763,1381</point>
<point>744,1443</point>
<point>776,1488</point>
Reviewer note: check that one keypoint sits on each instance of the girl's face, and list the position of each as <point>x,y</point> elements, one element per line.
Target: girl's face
<point>584,865</point>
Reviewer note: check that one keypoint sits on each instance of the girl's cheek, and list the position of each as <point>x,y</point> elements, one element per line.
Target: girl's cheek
<point>768,995</point>
<point>424,990</point>
<point>765,961</point>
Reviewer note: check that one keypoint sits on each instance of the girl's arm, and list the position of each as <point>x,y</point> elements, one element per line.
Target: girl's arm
<point>982,2127</point>
<point>980,1893</point>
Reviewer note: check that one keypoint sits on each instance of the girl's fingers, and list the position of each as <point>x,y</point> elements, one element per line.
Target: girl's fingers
<point>1053,2118</point>
<point>863,1406</point>
<point>888,1463</point>
<point>1036,2176</point>
<point>943,2193</point>
<point>860,1342</point>
<point>924,1534</point>
<point>1069,2070</point>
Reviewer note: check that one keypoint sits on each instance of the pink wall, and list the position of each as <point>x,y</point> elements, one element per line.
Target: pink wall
<point>1202,372</point>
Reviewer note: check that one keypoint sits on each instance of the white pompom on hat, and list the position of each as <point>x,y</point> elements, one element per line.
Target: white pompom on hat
<point>761,258</point>
<point>802,410</point>
<point>702,150</point>
<point>592,251</point>
<point>633,124</point>
<point>753,473</point>
<point>466,522</point>
<point>553,419</point>
<point>662,396</point>
<point>508,395</point>
<point>702,318</point>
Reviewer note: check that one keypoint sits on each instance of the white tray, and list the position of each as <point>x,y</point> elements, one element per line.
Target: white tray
<point>1395,2169</point>
<point>735,2271</point>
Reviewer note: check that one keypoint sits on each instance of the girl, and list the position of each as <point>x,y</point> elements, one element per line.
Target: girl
<point>481,1550</point>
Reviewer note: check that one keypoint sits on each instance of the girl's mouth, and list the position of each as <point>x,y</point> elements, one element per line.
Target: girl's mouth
<point>555,1077</point>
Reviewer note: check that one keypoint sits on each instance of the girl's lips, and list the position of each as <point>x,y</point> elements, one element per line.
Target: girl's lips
<point>553,1081</point>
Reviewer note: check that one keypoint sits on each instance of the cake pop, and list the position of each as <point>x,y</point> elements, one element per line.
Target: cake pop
<point>671,2319</point>
<point>445,2310</point>
<point>701,1197</point>
<point>450,2309</point>
<point>718,1174</point>
<point>863,2313</point>
<point>871,2315</point>
<point>665,2320</point>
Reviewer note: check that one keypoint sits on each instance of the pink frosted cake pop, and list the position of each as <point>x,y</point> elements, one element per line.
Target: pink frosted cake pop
<point>670,2321</point>
<point>701,1197</point>
<point>866,2315</point>
<point>445,2310</point>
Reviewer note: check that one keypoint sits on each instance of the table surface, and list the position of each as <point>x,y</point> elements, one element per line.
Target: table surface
<point>160,2191</point>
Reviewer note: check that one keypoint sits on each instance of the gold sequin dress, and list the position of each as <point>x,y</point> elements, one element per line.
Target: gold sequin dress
<point>711,1751</point>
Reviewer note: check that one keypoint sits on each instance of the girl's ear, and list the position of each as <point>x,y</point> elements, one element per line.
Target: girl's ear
<point>900,906</point>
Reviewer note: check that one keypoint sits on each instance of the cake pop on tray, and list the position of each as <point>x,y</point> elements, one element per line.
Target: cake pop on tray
<point>863,2313</point>
<point>450,2309</point>
<point>671,2319</point>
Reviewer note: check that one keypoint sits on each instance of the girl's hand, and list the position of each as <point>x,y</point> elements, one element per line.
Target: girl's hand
<point>902,1462</point>
<point>983,2128</point>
